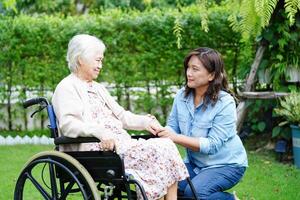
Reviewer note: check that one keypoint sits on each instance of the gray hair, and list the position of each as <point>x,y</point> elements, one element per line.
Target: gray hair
<point>80,46</point>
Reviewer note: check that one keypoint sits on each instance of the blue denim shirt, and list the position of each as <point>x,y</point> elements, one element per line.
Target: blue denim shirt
<point>214,127</point>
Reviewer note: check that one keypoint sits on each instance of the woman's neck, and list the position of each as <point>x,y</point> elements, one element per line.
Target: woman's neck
<point>199,95</point>
<point>200,91</point>
<point>81,77</point>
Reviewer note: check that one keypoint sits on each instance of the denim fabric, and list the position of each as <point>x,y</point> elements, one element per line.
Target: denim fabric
<point>214,127</point>
<point>211,183</point>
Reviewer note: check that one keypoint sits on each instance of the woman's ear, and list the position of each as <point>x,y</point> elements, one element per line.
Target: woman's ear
<point>211,76</point>
<point>80,61</point>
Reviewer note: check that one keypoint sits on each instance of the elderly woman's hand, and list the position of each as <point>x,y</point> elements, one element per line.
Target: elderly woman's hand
<point>107,145</point>
<point>154,126</point>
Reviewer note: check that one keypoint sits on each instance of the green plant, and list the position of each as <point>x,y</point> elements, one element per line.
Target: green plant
<point>143,62</point>
<point>251,17</point>
<point>281,132</point>
<point>290,109</point>
<point>259,120</point>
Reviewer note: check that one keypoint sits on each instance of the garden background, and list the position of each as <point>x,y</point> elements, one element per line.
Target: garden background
<point>143,65</point>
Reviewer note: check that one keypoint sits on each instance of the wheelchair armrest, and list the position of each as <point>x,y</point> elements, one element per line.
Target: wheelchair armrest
<point>146,137</point>
<point>67,140</point>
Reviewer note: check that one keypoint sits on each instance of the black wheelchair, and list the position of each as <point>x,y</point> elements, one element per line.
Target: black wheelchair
<point>88,175</point>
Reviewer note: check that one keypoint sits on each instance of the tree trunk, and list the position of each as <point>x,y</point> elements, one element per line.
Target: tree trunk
<point>127,94</point>
<point>25,110</point>
<point>9,93</point>
<point>118,93</point>
<point>163,104</point>
<point>23,97</point>
<point>235,64</point>
<point>41,94</point>
<point>9,112</point>
<point>241,109</point>
<point>148,95</point>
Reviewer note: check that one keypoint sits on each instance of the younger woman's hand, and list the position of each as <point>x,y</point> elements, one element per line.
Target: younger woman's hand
<point>166,133</point>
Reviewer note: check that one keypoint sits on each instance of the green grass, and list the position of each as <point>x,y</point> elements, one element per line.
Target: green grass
<point>12,160</point>
<point>264,179</point>
<point>268,179</point>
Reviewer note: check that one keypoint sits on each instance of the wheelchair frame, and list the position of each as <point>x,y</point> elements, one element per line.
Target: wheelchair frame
<point>83,169</point>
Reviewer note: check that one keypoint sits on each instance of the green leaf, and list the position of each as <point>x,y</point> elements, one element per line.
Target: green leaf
<point>276,131</point>
<point>261,126</point>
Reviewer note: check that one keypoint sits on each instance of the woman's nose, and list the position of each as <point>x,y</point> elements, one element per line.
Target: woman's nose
<point>188,73</point>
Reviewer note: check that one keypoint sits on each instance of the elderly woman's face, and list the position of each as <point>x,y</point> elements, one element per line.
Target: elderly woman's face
<point>90,66</point>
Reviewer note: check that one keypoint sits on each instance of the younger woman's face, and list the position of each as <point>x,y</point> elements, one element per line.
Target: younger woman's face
<point>197,74</point>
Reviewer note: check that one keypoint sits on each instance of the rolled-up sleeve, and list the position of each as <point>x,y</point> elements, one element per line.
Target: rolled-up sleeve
<point>223,128</point>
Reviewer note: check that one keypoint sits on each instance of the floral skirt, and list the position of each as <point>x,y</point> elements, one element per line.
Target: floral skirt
<point>155,163</point>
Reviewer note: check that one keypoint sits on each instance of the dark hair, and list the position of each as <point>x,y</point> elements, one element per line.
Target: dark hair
<point>213,63</point>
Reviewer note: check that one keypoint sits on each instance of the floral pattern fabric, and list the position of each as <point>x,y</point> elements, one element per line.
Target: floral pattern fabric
<point>155,163</point>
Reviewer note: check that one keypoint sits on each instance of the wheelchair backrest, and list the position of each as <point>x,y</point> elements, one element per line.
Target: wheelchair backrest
<point>52,119</point>
<point>44,103</point>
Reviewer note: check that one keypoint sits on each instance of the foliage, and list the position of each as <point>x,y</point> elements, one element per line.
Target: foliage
<point>7,6</point>
<point>291,8</point>
<point>259,118</point>
<point>290,108</point>
<point>281,132</point>
<point>177,30</point>
<point>283,48</point>
<point>276,24</point>
<point>141,53</point>
<point>73,7</point>
<point>253,16</point>
<point>203,4</point>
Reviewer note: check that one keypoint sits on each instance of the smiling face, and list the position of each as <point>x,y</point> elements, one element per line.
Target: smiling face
<point>90,65</point>
<point>84,56</point>
<point>197,75</point>
<point>205,75</point>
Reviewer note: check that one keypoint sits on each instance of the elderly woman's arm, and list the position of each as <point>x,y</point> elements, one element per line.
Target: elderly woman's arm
<point>68,108</point>
<point>130,120</point>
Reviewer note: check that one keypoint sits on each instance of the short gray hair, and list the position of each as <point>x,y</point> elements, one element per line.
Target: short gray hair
<point>80,46</point>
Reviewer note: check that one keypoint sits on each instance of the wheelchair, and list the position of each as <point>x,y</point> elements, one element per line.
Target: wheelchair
<point>88,175</point>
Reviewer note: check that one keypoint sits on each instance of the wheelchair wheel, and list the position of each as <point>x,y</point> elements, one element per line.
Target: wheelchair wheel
<point>55,175</point>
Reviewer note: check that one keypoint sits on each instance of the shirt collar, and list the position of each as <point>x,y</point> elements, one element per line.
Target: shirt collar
<point>189,102</point>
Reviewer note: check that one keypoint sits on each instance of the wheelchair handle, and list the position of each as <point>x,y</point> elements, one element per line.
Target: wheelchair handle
<point>34,101</point>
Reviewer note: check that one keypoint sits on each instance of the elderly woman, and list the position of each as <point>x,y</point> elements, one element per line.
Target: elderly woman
<point>85,108</point>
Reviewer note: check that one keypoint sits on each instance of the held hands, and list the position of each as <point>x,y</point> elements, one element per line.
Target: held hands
<point>166,133</point>
<point>154,126</point>
<point>158,130</point>
<point>107,145</point>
